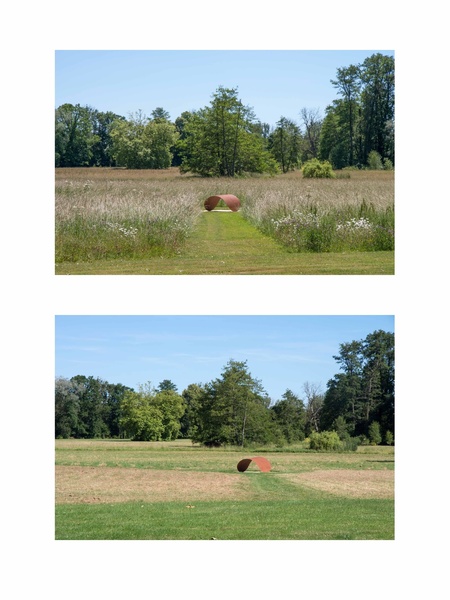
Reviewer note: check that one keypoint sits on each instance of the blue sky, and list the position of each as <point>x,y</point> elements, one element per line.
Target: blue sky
<point>281,351</point>
<point>274,83</point>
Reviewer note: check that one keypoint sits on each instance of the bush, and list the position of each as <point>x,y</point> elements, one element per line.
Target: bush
<point>351,444</point>
<point>326,441</point>
<point>374,433</point>
<point>316,168</point>
<point>374,161</point>
<point>389,438</point>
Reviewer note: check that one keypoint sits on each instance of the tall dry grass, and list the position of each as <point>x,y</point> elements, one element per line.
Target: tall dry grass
<point>112,213</point>
<point>102,218</point>
<point>354,213</point>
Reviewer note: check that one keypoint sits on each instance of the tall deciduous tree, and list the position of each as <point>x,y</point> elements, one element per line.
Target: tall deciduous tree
<point>332,143</point>
<point>192,397</point>
<point>172,408</point>
<point>379,379</point>
<point>364,392</point>
<point>140,419</point>
<point>181,150</point>
<point>151,415</point>
<point>348,84</point>
<point>102,123</point>
<point>87,407</point>
<point>233,409</point>
<point>141,143</point>
<point>82,136</point>
<point>92,401</point>
<point>362,119</point>
<point>74,137</point>
<point>286,144</point>
<point>312,126</point>
<point>290,416</point>
<point>377,99</point>
<point>114,392</point>
<point>314,405</point>
<point>220,140</point>
<point>67,407</point>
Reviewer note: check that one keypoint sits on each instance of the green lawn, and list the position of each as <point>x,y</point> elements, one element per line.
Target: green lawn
<point>306,519</point>
<point>111,490</point>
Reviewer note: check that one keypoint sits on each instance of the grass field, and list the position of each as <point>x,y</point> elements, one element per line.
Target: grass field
<point>152,222</point>
<point>179,491</point>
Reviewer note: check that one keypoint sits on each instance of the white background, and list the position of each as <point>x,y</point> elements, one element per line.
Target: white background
<point>32,296</point>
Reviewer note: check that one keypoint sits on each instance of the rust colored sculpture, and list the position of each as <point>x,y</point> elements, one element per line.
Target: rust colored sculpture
<point>263,464</point>
<point>231,201</point>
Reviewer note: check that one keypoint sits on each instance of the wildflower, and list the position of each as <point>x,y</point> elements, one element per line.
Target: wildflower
<point>127,232</point>
<point>355,225</point>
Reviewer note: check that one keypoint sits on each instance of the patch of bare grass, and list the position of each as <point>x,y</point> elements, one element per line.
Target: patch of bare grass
<point>348,483</point>
<point>75,485</point>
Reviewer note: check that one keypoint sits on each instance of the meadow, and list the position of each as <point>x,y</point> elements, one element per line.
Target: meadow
<point>117,221</point>
<point>107,490</point>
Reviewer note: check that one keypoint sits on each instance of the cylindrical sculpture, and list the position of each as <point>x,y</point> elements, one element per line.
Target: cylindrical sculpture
<point>263,464</point>
<point>231,201</point>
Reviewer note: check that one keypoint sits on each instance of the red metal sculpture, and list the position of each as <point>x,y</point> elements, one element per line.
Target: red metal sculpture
<point>231,201</point>
<point>263,464</point>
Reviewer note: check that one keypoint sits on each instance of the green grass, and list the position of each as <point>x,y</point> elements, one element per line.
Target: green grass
<point>263,506</point>
<point>357,263</point>
<point>184,456</point>
<point>306,519</point>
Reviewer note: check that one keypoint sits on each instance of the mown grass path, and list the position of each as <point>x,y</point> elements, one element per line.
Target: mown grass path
<point>224,243</point>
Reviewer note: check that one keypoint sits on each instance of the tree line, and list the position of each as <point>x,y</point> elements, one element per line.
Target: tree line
<point>234,409</point>
<point>225,138</point>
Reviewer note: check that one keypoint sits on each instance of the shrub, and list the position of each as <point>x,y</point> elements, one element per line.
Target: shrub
<point>326,441</point>
<point>389,438</point>
<point>374,161</point>
<point>351,444</point>
<point>374,433</point>
<point>316,168</point>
